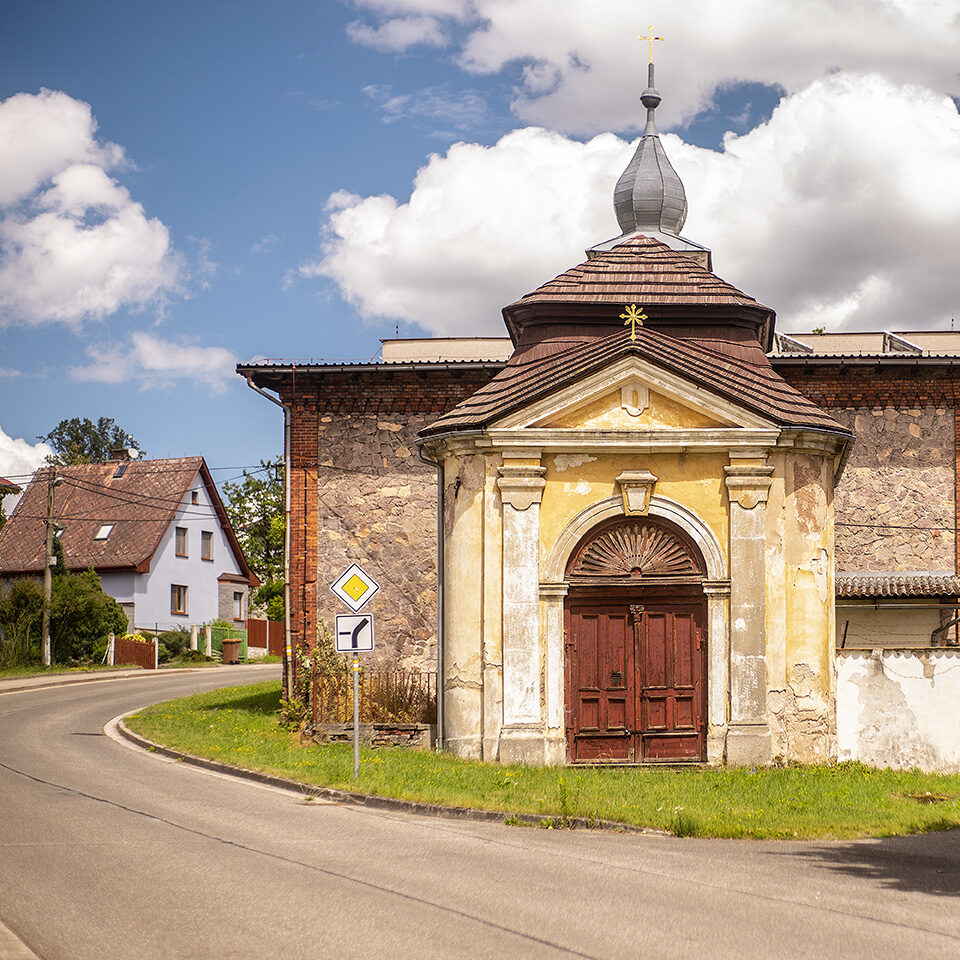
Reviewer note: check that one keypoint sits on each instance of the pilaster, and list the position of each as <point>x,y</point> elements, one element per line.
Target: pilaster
<point>748,737</point>
<point>521,486</point>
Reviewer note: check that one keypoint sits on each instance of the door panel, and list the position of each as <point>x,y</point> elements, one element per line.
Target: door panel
<point>635,680</point>
<point>600,697</point>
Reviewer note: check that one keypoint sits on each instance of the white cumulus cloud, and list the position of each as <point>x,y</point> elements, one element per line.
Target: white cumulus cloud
<point>581,66</point>
<point>18,460</point>
<point>812,212</point>
<point>151,362</point>
<point>73,243</point>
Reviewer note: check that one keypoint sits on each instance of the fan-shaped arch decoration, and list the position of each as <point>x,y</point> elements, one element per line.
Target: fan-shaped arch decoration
<point>633,549</point>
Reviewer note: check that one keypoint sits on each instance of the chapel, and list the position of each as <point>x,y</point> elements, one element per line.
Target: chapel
<point>634,530</point>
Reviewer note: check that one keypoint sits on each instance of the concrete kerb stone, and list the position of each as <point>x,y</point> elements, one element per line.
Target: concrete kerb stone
<point>12,947</point>
<point>55,681</point>
<point>373,802</point>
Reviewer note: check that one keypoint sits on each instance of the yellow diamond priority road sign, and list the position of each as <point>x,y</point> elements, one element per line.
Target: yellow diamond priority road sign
<point>354,587</point>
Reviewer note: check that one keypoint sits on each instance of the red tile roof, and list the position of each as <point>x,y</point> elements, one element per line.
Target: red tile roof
<point>8,486</point>
<point>740,375</point>
<point>140,504</point>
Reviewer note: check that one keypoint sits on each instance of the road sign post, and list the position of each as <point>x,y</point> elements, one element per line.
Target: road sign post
<point>356,716</point>
<point>354,633</point>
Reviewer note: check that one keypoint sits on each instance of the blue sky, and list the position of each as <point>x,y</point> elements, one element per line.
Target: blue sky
<point>237,122</point>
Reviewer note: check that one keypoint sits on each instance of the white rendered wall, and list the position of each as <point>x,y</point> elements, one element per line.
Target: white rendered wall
<point>900,708</point>
<point>152,590</point>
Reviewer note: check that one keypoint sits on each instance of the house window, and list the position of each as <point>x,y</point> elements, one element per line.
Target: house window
<point>103,532</point>
<point>120,471</point>
<point>178,599</point>
<point>206,545</point>
<point>194,496</point>
<point>181,541</point>
<point>238,606</point>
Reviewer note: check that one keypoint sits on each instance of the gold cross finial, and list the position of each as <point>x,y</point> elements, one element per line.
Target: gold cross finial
<point>651,38</point>
<point>631,317</point>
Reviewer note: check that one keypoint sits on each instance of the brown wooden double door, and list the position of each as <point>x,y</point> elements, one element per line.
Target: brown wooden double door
<point>635,680</point>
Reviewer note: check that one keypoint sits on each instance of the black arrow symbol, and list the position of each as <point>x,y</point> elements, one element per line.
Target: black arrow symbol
<point>355,636</point>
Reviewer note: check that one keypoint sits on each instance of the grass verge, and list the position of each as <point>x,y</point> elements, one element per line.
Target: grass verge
<point>239,725</point>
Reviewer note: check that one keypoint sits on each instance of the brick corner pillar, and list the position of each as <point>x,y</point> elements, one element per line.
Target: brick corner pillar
<point>523,735</point>
<point>748,735</point>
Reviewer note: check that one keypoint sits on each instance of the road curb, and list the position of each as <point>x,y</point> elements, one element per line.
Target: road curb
<point>108,675</point>
<point>12,947</point>
<point>372,802</point>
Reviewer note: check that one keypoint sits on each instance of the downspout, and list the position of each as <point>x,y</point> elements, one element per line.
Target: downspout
<point>287,650</point>
<point>438,466</point>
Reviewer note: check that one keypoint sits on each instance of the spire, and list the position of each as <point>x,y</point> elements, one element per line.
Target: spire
<point>649,195</point>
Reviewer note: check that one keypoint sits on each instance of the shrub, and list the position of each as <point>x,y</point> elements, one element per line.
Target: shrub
<point>81,615</point>
<point>21,612</point>
<point>171,644</point>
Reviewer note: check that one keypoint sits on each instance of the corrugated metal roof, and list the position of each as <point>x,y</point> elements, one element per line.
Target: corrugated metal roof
<point>897,584</point>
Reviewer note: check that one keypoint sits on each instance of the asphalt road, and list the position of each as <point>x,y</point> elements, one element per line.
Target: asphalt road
<point>107,852</point>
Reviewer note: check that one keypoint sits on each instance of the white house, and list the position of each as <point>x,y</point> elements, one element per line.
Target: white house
<point>155,531</point>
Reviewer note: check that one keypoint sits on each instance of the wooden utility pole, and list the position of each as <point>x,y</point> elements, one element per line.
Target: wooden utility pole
<point>47,573</point>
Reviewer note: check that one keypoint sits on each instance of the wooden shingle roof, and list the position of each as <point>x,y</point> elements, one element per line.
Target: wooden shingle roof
<point>640,270</point>
<point>741,376</point>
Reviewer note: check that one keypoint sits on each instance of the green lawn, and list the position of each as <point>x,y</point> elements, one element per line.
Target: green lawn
<point>239,726</point>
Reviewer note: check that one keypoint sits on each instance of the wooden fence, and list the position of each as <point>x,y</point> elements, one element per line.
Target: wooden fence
<point>386,696</point>
<point>135,653</point>
<point>266,633</point>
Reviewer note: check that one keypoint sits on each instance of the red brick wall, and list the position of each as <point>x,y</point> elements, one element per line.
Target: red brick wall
<point>408,398</point>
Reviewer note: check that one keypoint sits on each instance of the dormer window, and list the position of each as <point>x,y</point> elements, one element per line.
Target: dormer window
<point>103,532</point>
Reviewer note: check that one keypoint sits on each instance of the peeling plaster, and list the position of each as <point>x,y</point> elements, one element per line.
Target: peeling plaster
<point>819,566</point>
<point>900,708</point>
<point>566,461</point>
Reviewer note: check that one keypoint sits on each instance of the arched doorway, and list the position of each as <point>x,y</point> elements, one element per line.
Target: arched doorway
<point>635,644</point>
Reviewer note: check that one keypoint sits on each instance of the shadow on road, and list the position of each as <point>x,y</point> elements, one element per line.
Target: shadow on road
<point>929,863</point>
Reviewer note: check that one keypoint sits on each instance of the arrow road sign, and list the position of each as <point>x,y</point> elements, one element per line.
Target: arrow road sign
<point>354,633</point>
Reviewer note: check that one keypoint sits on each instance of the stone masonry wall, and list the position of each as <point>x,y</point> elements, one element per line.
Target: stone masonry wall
<point>895,504</point>
<point>359,493</point>
<point>378,502</point>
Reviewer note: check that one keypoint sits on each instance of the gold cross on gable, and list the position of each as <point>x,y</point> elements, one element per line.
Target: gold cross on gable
<point>651,38</point>
<point>631,317</point>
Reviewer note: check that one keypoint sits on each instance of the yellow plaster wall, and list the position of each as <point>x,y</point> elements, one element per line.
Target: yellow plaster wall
<point>575,482</point>
<point>607,413</point>
<point>801,619</point>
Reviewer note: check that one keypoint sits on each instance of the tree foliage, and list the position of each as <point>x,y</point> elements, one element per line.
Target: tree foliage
<point>80,440</point>
<point>81,616</point>
<point>255,507</point>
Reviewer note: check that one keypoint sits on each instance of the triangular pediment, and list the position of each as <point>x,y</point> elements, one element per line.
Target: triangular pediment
<point>632,394</point>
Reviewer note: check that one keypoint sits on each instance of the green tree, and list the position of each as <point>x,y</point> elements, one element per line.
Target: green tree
<point>255,507</point>
<point>80,440</point>
<point>81,615</point>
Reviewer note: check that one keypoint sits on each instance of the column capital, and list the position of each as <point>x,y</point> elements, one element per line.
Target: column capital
<point>748,483</point>
<point>716,588</point>
<point>521,484</point>
<point>551,591</point>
